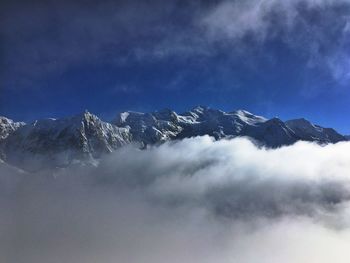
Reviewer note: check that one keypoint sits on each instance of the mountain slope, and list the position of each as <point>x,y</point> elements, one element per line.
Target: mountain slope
<point>8,126</point>
<point>201,120</point>
<point>60,142</point>
<point>308,131</point>
<point>271,133</point>
<point>164,125</point>
<point>150,128</point>
<point>84,138</point>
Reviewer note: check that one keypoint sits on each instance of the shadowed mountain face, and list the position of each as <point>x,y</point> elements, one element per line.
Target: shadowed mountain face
<point>84,138</point>
<point>307,131</point>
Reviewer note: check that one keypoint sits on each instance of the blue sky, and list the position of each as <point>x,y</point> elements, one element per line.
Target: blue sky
<point>288,59</point>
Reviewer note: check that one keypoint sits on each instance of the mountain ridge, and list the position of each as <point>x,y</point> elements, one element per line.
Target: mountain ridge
<point>85,137</point>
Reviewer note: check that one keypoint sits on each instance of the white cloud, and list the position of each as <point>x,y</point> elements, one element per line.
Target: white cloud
<point>291,21</point>
<point>188,201</point>
<point>235,19</point>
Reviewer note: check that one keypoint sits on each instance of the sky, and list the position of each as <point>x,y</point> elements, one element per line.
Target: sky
<point>274,58</point>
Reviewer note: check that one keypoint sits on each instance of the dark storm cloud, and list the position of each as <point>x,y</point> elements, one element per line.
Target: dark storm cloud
<point>194,200</point>
<point>46,38</point>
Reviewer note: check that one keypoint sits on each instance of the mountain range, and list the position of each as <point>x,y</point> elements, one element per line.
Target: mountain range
<point>84,138</point>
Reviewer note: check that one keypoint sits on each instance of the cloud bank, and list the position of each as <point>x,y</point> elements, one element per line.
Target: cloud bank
<point>187,201</point>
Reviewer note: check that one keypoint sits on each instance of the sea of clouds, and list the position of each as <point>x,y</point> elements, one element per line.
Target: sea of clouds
<point>195,200</point>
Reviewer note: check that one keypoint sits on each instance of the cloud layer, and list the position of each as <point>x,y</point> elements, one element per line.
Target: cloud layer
<point>192,200</point>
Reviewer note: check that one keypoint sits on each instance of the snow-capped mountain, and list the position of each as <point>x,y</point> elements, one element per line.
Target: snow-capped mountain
<point>85,137</point>
<point>8,126</point>
<point>150,128</point>
<point>201,120</point>
<point>308,131</point>
<point>60,142</point>
<point>167,124</point>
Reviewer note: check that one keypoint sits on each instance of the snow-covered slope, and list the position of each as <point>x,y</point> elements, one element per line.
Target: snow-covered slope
<point>201,120</point>
<point>272,133</point>
<point>217,123</point>
<point>84,137</point>
<point>308,131</point>
<point>60,142</point>
<point>8,126</point>
<point>166,124</point>
<point>150,128</point>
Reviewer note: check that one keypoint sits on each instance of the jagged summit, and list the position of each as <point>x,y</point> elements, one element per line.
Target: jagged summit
<point>200,108</point>
<point>201,120</point>
<point>62,141</point>
<point>248,117</point>
<point>7,126</point>
<point>85,136</point>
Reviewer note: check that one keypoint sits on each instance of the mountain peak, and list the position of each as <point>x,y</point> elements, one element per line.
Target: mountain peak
<point>4,120</point>
<point>248,117</point>
<point>243,112</point>
<point>86,115</point>
<point>306,130</point>
<point>76,137</point>
<point>7,126</point>
<point>300,121</point>
<point>200,109</point>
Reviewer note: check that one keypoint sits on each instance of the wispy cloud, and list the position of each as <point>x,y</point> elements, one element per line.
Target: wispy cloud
<point>317,30</point>
<point>43,39</point>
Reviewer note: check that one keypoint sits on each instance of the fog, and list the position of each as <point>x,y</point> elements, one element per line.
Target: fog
<point>196,200</point>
